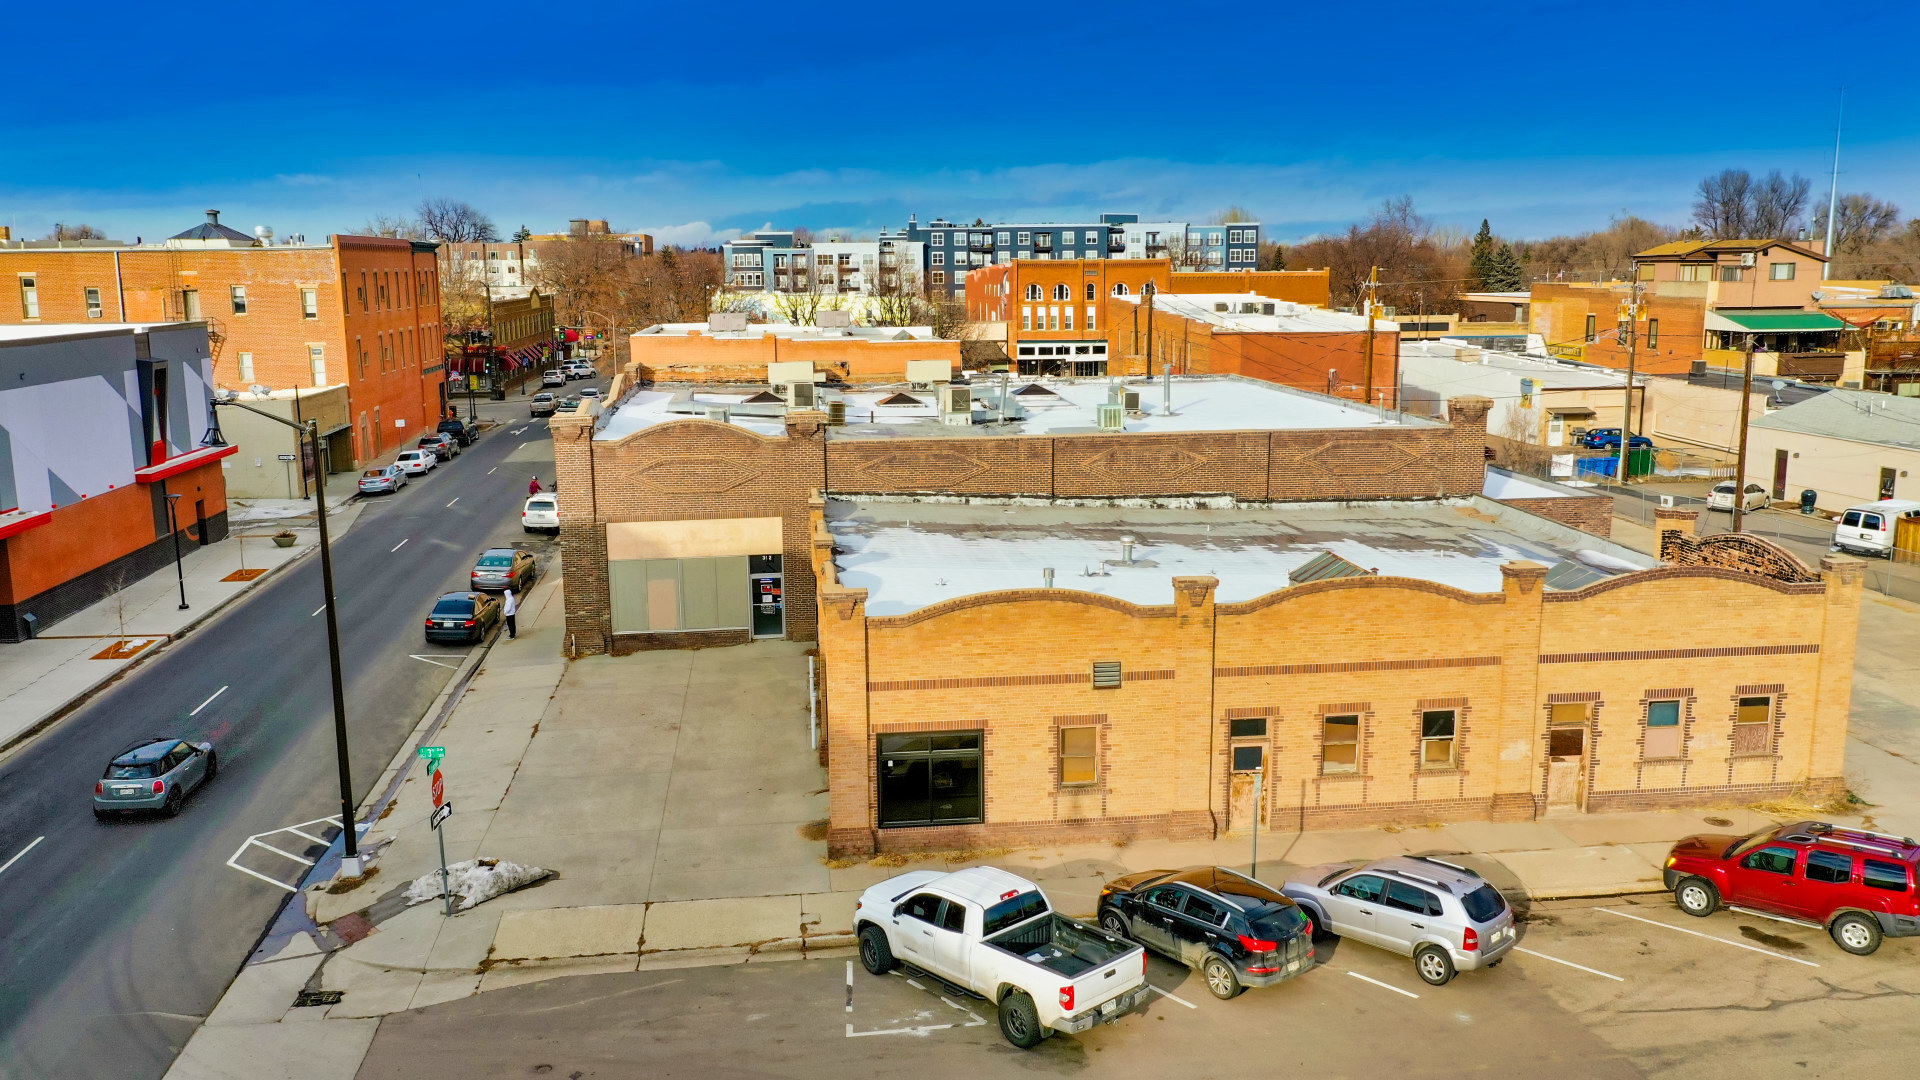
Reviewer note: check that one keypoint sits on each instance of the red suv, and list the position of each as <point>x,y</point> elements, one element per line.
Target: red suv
<point>1857,886</point>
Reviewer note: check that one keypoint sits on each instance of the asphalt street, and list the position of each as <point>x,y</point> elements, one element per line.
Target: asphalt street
<point>115,938</point>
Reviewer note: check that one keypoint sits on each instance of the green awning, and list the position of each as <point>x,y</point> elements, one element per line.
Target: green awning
<point>1769,322</point>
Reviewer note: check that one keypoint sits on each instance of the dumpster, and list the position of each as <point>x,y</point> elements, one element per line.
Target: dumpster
<point>1807,498</point>
<point>1640,461</point>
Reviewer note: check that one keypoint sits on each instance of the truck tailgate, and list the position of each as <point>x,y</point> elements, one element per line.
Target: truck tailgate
<point>1100,967</point>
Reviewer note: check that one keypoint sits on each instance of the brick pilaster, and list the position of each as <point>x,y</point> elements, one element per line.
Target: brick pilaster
<point>1519,725</point>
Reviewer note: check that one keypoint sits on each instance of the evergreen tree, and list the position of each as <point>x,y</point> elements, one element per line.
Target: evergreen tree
<point>1504,273</point>
<point>522,234</point>
<point>1480,263</point>
<point>1279,257</point>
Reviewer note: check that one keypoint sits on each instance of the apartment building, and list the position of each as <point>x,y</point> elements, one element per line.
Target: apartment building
<point>953,249</point>
<point>363,311</point>
<point>774,260</point>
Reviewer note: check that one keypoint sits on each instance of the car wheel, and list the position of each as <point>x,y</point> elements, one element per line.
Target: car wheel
<point>171,807</point>
<point>1697,897</point>
<point>1020,1021</point>
<point>1222,982</point>
<point>213,765</point>
<point>1115,923</point>
<point>1858,934</point>
<point>99,814</point>
<point>875,954</point>
<point>1317,926</point>
<point>1433,964</point>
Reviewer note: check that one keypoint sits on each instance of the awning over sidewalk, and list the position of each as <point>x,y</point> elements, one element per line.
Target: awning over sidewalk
<point>176,465</point>
<point>1770,322</point>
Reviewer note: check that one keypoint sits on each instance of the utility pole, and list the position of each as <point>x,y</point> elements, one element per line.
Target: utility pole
<point>1372,287</point>
<point>1740,469</point>
<point>1629,312</point>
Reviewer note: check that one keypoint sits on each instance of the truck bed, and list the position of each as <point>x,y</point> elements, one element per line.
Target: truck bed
<point>1061,945</point>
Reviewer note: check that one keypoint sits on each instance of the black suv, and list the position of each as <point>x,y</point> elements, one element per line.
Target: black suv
<point>1231,928</point>
<point>459,430</point>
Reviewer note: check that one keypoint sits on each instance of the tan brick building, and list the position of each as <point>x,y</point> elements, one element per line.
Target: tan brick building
<point>362,311</point>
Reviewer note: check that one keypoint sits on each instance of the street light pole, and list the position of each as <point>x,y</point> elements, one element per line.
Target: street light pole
<point>173,526</point>
<point>350,861</point>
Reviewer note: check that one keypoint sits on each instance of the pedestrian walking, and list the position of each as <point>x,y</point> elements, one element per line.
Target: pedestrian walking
<point>533,486</point>
<point>513,608</point>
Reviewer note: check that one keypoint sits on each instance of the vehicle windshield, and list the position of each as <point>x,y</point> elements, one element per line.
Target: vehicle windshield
<point>1335,874</point>
<point>496,560</point>
<point>1484,903</point>
<point>1014,912</point>
<point>1276,922</point>
<point>1751,842</point>
<point>452,606</point>
<point>137,770</point>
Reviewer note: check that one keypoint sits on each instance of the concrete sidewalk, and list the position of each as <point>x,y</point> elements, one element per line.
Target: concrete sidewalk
<point>40,679</point>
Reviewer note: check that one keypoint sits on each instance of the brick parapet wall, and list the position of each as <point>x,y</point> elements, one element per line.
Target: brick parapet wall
<point>1588,513</point>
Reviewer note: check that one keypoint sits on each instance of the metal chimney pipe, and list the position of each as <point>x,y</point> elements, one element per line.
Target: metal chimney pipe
<point>1126,550</point>
<point>1166,390</point>
<point>1046,578</point>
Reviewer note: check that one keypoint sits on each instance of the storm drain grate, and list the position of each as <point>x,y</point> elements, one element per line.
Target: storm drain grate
<point>318,997</point>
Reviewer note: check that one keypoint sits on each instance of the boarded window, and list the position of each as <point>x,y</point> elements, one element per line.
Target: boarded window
<point>1753,726</point>
<point>1079,751</point>
<point>1663,730</point>
<point>653,595</point>
<point>1340,744</point>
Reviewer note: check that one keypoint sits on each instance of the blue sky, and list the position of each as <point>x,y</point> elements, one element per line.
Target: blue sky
<point>697,120</point>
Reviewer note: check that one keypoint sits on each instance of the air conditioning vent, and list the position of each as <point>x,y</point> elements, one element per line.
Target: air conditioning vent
<point>717,413</point>
<point>1132,401</point>
<point>1106,675</point>
<point>836,413</point>
<point>1112,416</point>
<point>803,395</point>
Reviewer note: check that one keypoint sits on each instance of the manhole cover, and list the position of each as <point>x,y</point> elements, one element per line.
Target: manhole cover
<point>1719,823</point>
<point>308,998</point>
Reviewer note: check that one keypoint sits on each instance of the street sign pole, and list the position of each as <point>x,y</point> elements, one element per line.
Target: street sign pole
<point>446,897</point>
<point>442,810</point>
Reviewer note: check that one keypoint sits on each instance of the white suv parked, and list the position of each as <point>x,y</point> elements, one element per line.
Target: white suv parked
<point>541,514</point>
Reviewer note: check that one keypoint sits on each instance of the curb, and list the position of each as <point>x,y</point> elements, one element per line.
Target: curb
<point>21,738</point>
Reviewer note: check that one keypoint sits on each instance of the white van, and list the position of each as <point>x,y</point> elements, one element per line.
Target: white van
<point>1867,529</point>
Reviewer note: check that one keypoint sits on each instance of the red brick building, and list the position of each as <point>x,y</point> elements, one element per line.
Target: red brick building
<point>358,310</point>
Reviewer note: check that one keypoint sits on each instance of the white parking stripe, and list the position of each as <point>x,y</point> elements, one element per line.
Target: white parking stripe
<point>400,545</point>
<point>22,851</point>
<point>456,499</point>
<point>1172,997</point>
<point>209,701</point>
<point>1569,963</point>
<point>1384,986</point>
<point>849,986</point>
<point>318,610</point>
<point>491,471</point>
<point>1710,937</point>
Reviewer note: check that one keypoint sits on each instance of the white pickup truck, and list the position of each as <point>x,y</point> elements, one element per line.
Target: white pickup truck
<point>993,934</point>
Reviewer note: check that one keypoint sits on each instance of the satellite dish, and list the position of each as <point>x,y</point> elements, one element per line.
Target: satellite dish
<point>259,391</point>
<point>1779,385</point>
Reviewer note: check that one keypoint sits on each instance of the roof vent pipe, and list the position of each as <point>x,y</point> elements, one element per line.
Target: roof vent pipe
<point>1046,578</point>
<point>1166,389</point>
<point>1126,550</point>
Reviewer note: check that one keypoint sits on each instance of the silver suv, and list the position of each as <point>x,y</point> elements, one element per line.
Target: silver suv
<point>1444,916</point>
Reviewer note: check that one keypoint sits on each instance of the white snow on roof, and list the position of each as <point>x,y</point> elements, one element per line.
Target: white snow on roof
<point>1501,484</point>
<point>909,554</point>
<point>1249,313</point>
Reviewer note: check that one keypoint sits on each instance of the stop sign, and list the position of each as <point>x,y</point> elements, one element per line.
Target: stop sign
<point>439,789</point>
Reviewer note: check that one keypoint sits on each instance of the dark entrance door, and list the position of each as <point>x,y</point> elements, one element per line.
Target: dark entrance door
<point>1886,483</point>
<point>929,779</point>
<point>765,583</point>
<point>1779,475</point>
<point>200,521</point>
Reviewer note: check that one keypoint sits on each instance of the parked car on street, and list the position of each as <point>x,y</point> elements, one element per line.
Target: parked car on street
<point>387,479</point>
<point>463,617</point>
<point>1444,916</point>
<point>1609,439</point>
<point>1721,497</point>
<point>589,392</point>
<point>580,369</point>
<point>1856,885</point>
<point>441,444</point>
<point>154,774</point>
<point>553,378</point>
<point>1868,529</point>
<point>543,405</point>
<point>993,934</point>
<point>461,431</point>
<point>503,568</point>
<point>568,404</point>
<point>417,462</point>
<point>541,514</point>
<point>1234,930</point>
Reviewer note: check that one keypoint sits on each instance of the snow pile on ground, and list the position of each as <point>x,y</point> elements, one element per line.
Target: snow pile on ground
<point>474,881</point>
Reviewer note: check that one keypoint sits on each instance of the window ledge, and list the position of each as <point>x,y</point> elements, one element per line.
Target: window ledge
<point>1439,770</point>
<point>1077,788</point>
<point>1680,760</point>
<point>1753,755</point>
<point>1343,776</point>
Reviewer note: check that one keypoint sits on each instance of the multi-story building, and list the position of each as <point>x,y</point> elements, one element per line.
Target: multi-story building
<point>358,310</point>
<point>1191,246</point>
<point>952,249</point>
<point>777,261</point>
<point>1279,341</point>
<point>516,263</point>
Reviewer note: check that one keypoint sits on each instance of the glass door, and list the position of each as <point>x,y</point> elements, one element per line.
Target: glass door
<point>929,779</point>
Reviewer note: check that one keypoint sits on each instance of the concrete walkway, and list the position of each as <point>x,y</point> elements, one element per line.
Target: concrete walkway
<point>39,679</point>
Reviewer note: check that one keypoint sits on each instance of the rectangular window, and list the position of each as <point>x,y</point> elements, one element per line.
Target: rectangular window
<point>1003,238</point>
<point>1590,327</point>
<point>1340,744</point>
<point>1730,273</point>
<point>190,304</point>
<point>309,303</point>
<point>1026,238</point>
<point>317,359</point>
<point>929,779</point>
<point>1830,867</point>
<point>1663,730</point>
<point>1247,727</point>
<point>1753,726</point>
<point>238,295</point>
<point>1436,738</point>
<point>93,303</point>
<point>1249,758</point>
<point>246,368</point>
<point>1880,874</point>
<point>1079,749</point>
<point>1067,323</point>
<point>938,258</point>
<point>29,298</point>
<point>1026,318</point>
<point>1092,237</point>
<point>1106,675</point>
<point>1696,272</point>
<point>939,277</point>
<point>1653,333</point>
<point>1089,320</point>
<point>938,239</point>
<point>1780,271</point>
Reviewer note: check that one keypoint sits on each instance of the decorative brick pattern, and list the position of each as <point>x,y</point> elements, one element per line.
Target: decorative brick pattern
<point>1735,551</point>
<point>1588,513</point>
<point>1678,654</point>
<point>1357,665</point>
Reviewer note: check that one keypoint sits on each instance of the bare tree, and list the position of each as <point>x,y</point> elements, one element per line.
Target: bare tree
<point>1232,215</point>
<point>1416,271</point>
<point>392,226</point>
<point>1602,255</point>
<point>1859,221</point>
<point>1779,204</point>
<point>1732,205</point>
<point>76,232</point>
<point>454,222</point>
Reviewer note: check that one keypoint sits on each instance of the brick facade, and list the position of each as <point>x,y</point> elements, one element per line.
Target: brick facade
<point>700,357</point>
<point>1589,513</point>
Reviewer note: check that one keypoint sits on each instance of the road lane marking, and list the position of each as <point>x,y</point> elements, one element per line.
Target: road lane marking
<point>1569,963</point>
<point>456,499</point>
<point>852,1034</point>
<point>1172,997</point>
<point>257,840</point>
<point>318,610</point>
<point>1710,937</point>
<point>490,471</point>
<point>399,545</point>
<point>22,851</point>
<point>277,851</point>
<point>430,659</point>
<point>1384,986</point>
<point>209,701</point>
<point>849,986</point>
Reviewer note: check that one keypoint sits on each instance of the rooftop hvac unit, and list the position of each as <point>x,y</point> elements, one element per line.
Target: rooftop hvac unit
<point>956,405</point>
<point>1747,259</point>
<point>1132,401</point>
<point>836,413</point>
<point>1112,416</point>
<point>717,413</point>
<point>803,395</point>
<point>1267,309</point>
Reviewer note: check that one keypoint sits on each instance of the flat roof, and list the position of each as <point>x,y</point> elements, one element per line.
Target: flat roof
<point>755,331</point>
<point>1256,314</point>
<point>1546,371</point>
<point>910,553</point>
<point>1032,407</point>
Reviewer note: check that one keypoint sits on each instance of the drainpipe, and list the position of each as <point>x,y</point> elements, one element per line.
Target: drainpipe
<point>119,287</point>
